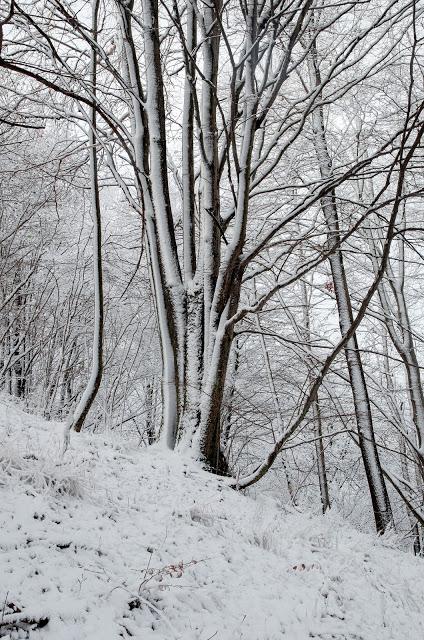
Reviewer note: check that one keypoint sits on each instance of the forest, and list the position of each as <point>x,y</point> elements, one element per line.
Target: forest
<point>212,254</point>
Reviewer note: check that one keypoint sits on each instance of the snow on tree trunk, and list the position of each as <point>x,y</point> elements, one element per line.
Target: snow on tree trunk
<point>76,420</point>
<point>367,441</point>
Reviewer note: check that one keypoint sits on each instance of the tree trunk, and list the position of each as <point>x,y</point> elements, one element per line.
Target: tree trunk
<point>78,416</point>
<point>319,445</point>
<point>377,486</point>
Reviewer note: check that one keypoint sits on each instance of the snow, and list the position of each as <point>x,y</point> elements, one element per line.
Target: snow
<point>113,541</point>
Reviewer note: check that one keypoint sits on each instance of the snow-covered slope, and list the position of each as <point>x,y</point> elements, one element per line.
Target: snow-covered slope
<point>115,542</point>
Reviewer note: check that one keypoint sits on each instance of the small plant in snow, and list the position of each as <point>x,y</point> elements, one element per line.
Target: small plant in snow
<point>40,470</point>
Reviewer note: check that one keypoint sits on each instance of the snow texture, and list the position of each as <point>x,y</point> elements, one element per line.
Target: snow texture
<point>115,542</point>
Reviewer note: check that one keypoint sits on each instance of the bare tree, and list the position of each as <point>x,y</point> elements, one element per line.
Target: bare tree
<point>210,118</point>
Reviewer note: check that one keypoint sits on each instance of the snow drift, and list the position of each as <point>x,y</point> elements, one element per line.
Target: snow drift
<point>114,542</point>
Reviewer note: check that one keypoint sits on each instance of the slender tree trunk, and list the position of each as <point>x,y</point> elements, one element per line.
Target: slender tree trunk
<point>77,418</point>
<point>376,483</point>
<point>304,335</point>
<point>150,427</point>
<point>210,200</point>
<point>234,367</point>
<point>164,272</point>
<point>191,375</point>
<point>276,403</point>
<point>222,286</point>
<point>399,327</point>
<point>188,177</point>
<point>319,445</point>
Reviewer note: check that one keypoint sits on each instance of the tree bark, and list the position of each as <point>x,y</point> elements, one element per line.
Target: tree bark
<point>77,419</point>
<point>376,483</point>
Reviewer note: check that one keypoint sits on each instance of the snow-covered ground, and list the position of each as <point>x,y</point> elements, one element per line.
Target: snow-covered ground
<point>116,542</point>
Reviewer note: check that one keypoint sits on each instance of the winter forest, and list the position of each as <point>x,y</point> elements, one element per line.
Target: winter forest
<point>211,319</point>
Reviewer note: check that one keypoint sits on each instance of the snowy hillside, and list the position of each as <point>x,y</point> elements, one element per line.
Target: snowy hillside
<point>117,542</point>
